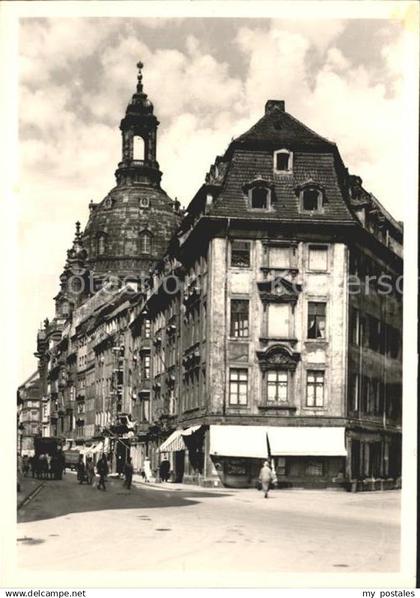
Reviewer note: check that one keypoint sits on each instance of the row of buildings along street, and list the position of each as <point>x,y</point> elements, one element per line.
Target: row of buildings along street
<point>262,321</point>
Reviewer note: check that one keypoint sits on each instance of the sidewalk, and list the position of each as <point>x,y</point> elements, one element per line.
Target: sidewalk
<point>171,486</point>
<point>27,487</point>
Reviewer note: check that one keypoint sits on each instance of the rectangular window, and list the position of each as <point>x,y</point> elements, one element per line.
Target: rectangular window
<point>279,320</point>
<point>146,328</point>
<point>279,257</point>
<point>374,333</point>
<point>318,258</point>
<point>316,319</point>
<point>354,393</point>
<point>282,161</point>
<point>354,326</point>
<point>239,318</point>
<point>240,254</point>
<point>277,386</point>
<point>147,367</point>
<point>238,386</point>
<point>315,388</point>
<point>364,391</point>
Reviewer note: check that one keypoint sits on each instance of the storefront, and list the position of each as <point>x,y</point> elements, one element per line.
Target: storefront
<point>184,449</point>
<point>302,456</point>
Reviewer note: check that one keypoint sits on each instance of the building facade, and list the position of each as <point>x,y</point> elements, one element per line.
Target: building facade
<point>264,322</point>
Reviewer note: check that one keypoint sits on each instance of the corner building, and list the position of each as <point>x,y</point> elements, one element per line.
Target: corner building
<point>277,345</point>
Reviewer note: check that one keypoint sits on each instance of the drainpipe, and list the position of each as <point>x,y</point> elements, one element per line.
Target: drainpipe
<point>226,315</point>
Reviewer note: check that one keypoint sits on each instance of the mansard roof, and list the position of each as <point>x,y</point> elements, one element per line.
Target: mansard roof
<point>247,164</point>
<point>279,129</point>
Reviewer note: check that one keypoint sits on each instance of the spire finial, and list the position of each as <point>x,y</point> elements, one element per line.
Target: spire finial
<point>77,229</point>
<point>140,77</point>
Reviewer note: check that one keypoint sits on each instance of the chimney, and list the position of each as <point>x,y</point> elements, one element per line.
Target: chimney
<point>272,105</point>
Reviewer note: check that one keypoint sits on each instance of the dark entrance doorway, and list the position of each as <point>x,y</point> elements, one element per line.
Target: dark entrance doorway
<point>179,458</point>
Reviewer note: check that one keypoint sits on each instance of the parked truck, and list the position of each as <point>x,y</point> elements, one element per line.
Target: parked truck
<point>71,458</point>
<point>46,445</point>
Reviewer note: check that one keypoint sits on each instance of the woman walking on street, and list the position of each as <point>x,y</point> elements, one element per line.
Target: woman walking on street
<point>90,470</point>
<point>102,469</point>
<point>266,476</point>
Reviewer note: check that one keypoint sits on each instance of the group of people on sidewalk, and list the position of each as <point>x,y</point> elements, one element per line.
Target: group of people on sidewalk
<point>86,472</point>
<point>42,467</point>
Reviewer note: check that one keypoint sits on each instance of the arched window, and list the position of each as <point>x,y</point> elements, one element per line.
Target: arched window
<point>259,198</point>
<point>145,242</point>
<point>101,244</point>
<point>283,161</point>
<point>138,148</point>
<point>311,197</point>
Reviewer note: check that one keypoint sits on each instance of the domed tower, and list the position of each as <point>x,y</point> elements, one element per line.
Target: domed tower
<point>129,230</point>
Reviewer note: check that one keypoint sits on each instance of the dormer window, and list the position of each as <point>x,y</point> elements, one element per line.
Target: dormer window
<point>311,197</point>
<point>144,202</point>
<point>259,198</point>
<point>260,193</point>
<point>283,161</point>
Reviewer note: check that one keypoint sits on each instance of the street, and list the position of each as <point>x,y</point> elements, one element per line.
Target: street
<point>68,526</point>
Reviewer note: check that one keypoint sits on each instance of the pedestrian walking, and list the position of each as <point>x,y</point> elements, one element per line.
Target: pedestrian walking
<point>81,470</point>
<point>49,467</point>
<point>266,477</point>
<point>128,473</point>
<point>43,467</point>
<point>164,468</point>
<point>90,470</point>
<point>102,469</point>
<point>33,461</point>
<point>61,464</point>
<point>25,465</point>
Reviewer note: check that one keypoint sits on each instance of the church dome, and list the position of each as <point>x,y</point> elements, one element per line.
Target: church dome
<point>129,230</point>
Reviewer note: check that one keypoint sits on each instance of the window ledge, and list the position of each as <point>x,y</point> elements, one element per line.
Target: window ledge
<point>278,339</point>
<point>277,406</point>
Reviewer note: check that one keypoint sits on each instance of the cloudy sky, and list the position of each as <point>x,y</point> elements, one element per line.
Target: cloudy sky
<point>209,80</point>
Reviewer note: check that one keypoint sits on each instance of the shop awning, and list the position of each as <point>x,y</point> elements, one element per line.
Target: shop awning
<point>307,441</point>
<point>190,430</point>
<point>239,441</point>
<point>96,448</point>
<point>173,443</point>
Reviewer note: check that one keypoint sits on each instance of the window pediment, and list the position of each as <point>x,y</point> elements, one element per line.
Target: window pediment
<point>278,357</point>
<point>260,193</point>
<point>312,197</point>
<point>279,290</point>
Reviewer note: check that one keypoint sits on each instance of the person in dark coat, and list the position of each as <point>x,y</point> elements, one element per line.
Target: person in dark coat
<point>33,461</point>
<point>128,473</point>
<point>164,468</point>
<point>81,470</point>
<point>61,464</point>
<point>102,469</point>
